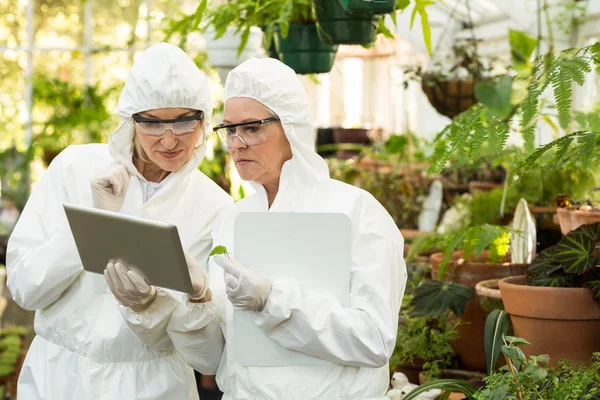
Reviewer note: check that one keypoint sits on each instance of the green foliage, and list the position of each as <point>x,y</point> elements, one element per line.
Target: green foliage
<point>434,297</point>
<point>450,385</point>
<point>530,378</point>
<point>495,97</point>
<point>219,250</point>
<point>400,191</point>
<point>496,326</point>
<point>492,120</point>
<point>68,113</point>
<point>426,339</point>
<point>10,349</point>
<point>571,263</point>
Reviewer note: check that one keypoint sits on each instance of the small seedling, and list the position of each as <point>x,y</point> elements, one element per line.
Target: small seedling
<point>219,250</point>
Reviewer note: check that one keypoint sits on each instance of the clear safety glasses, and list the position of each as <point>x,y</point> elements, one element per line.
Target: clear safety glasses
<point>158,127</point>
<point>250,133</point>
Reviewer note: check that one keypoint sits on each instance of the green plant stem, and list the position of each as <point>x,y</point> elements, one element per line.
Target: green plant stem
<point>549,22</point>
<point>511,368</point>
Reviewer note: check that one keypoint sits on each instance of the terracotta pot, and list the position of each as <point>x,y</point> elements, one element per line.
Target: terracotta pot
<point>411,370</point>
<point>489,295</point>
<point>560,322</point>
<point>570,220</point>
<point>469,346</point>
<point>478,186</point>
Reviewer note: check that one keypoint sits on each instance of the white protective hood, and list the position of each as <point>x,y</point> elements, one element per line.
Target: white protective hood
<point>83,348</point>
<point>162,77</point>
<point>277,86</point>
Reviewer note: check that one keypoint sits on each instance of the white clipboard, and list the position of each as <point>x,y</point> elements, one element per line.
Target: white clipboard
<point>312,248</point>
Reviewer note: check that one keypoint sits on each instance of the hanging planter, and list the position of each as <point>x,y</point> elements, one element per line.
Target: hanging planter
<point>338,26</point>
<point>449,97</point>
<point>370,6</point>
<point>223,52</point>
<point>303,51</point>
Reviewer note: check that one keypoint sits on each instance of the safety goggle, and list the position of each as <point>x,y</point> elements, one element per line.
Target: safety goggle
<point>158,127</point>
<point>252,132</point>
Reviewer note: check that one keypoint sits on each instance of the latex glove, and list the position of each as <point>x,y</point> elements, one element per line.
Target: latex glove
<point>244,289</point>
<point>198,276</point>
<point>109,186</point>
<point>128,287</point>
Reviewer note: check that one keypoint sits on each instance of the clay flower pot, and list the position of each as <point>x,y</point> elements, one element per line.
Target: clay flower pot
<point>489,295</point>
<point>560,322</point>
<point>570,220</point>
<point>470,347</point>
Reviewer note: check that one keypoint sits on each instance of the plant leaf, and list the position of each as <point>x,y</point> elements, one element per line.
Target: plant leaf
<point>496,326</point>
<point>434,297</point>
<point>513,340</point>
<point>514,353</point>
<point>591,230</point>
<point>453,385</point>
<point>593,282</point>
<point>561,83</point>
<point>496,97</point>
<point>521,47</point>
<point>575,253</point>
<point>218,250</point>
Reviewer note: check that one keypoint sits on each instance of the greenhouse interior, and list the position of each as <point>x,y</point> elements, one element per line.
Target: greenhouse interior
<point>410,186</point>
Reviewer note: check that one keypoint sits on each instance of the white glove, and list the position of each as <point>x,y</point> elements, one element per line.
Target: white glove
<point>244,289</point>
<point>198,276</point>
<point>109,186</point>
<point>128,287</point>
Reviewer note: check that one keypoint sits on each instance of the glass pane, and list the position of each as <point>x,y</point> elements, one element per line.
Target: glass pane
<point>12,23</point>
<point>13,111</point>
<point>58,23</point>
<point>114,22</point>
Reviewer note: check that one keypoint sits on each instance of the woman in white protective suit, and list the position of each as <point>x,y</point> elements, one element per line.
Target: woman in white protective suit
<point>268,129</point>
<point>83,348</point>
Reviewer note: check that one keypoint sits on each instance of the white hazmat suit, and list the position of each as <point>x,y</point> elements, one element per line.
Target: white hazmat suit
<point>83,349</point>
<point>360,338</point>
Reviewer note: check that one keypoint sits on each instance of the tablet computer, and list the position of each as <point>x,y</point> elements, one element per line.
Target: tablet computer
<point>151,248</point>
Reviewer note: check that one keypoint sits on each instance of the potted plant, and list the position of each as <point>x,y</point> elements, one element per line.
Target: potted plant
<point>373,7</point>
<point>339,26</point>
<point>526,378</point>
<point>449,84</point>
<point>554,305</point>
<point>300,47</point>
<point>423,344</point>
<point>12,354</point>
<point>288,25</point>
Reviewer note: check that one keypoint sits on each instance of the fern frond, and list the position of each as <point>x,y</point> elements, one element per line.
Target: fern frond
<point>455,241</point>
<point>561,83</point>
<point>562,148</point>
<point>587,141</point>
<point>487,234</point>
<point>441,155</point>
<point>530,161</point>
<point>503,133</point>
<point>478,139</point>
<point>577,68</point>
<point>548,66</point>
<point>529,109</point>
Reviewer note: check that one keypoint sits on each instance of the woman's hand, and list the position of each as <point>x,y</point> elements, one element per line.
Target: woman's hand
<point>244,289</point>
<point>109,185</point>
<point>128,287</point>
<point>199,279</point>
